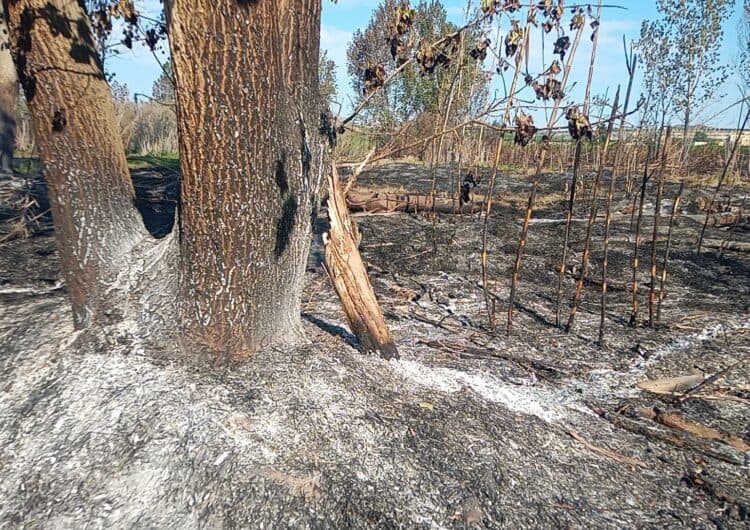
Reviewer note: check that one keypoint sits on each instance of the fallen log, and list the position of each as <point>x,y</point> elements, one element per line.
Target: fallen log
<point>737,246</point>
<point>380,202</point>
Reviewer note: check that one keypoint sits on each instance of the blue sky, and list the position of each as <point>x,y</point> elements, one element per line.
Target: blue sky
<point>138,69</point>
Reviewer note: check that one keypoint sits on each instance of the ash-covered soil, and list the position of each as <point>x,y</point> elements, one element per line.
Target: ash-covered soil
<point>471,428</point>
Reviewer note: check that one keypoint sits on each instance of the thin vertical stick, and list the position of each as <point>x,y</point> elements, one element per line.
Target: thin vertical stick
<point>663,278</point>
<point>634,310</point>
<point>568,225</point>
<point>574,180</point>
<point>657,217</point>
<point>592,216</point>
<point>630,62</point>
<point>489,302</point>
<point>541,154</point>
<point>723,176</point>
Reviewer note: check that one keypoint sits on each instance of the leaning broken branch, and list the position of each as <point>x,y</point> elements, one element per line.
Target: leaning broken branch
<point>349,276</point>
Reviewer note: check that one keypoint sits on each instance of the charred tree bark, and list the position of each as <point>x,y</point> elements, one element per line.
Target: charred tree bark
<point>8,98</point>
<point>83,160</point>
<point>251,161</point>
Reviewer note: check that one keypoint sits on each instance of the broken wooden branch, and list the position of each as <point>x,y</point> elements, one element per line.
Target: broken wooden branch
<point>683,441</point>
<point>349,277</point>
<point>675,421</point>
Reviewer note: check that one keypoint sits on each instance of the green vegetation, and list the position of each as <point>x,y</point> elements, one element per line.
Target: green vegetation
<point>170,160</point>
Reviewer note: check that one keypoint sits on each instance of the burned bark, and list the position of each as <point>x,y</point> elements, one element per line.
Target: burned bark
<point>84,164</point>
<point>251,161</point>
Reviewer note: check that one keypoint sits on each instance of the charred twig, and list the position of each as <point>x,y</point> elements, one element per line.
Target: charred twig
<point>485,353</point>
<point>637,243</point>
<point>633,462</point>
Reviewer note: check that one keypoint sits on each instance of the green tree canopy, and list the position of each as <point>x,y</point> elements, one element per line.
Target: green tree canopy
<point>413,92</point>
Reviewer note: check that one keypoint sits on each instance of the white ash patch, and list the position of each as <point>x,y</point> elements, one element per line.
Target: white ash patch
<point>524,400</point>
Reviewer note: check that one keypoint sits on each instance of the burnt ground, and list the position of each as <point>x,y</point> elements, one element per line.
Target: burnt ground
<point>471,428</point>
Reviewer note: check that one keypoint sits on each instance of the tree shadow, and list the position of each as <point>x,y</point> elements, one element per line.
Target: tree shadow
<point>332,329</point>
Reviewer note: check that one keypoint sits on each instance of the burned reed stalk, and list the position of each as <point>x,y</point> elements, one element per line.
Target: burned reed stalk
<point>663,277</point>
<point>448,105</point>
<point>541,154</point>
<point>592,216</point>
<point>637,244</point>
<point>349,277</point>
<point>657,218</point>
<point>488,301</point>
<point>724,172</point>
<point>568,225</point>
<point>574,180</point>
<point>630,62</point>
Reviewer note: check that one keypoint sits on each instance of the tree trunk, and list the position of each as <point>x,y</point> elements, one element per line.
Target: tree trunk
<point>251,161</point>
<point>83,161</point>
<point>8,99</point>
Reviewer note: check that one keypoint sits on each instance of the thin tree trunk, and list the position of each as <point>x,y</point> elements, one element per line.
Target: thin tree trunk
<point>8,99</point>
<point>489,303</point>
<point>252,161</point>
<point>630,62</point>
<point>83,160</point>
<point>574,179</point>
<point>568,226</point>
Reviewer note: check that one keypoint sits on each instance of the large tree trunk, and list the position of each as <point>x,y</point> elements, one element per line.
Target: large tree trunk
<point>8,98</point>
<point>84,164</point>
<point>247,102</point>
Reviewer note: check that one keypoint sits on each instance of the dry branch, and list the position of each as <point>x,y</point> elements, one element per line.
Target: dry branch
<point>683,441</point>
<point>675,421</point>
